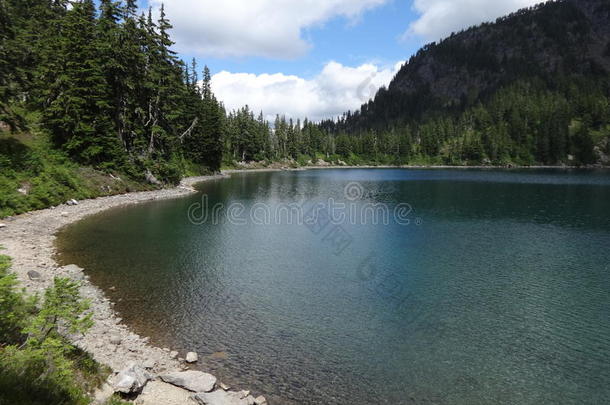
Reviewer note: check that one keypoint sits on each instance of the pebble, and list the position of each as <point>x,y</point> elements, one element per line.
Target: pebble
<point>115,340</point>
<point>149,364</point>
<point>34,275</point>
<point>173,354</point>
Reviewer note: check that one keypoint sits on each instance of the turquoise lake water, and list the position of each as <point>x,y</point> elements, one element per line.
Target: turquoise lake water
<point>435,286</point>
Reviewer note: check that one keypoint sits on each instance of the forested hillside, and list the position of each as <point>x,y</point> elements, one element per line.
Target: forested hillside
<point>107,87</point>
<point>531,88</point>
<point>93,101</point>
<point>100,89</point>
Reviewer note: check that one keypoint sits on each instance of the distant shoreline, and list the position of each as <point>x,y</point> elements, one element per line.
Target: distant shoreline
<point>412,167</point>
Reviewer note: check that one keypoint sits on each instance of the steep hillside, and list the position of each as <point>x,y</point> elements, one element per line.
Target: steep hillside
<point>553,58</point>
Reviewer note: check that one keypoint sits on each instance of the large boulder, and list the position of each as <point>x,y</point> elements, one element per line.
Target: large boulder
<point>221,397</point>
<point>196,381</point>
<point>131,380</point>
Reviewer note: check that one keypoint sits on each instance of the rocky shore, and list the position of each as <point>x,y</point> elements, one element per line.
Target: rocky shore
<point>148,375</point>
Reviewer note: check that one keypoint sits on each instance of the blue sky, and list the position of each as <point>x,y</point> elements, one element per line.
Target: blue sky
<point>374,37</point>
<point>314,58</point>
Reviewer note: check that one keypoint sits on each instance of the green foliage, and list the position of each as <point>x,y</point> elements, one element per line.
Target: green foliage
<point>514,89</point>
<point>109,90</point>
<point>47,175</point>
<point>37,365</point>
<point>14,308</point>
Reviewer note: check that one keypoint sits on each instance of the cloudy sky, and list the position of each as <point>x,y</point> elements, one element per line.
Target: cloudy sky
<point>314,58</point>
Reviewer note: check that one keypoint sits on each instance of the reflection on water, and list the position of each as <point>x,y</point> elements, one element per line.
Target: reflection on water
<point>499,294</point>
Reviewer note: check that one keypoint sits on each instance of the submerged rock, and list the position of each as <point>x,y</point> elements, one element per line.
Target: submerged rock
<point>191,357</point>
<point>131,380</point>
<point>196,381</point>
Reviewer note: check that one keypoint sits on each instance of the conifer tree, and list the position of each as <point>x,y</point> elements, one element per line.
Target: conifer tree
<point>79,110</point>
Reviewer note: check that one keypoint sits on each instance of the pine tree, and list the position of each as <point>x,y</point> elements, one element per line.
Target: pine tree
<point>79,111</point>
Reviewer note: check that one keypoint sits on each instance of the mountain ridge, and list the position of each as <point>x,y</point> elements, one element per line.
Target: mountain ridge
<point>559,50</point>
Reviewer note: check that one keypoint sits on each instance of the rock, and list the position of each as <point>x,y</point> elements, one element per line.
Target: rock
<point>2,226</point>
<point>224,386</point>
<point>191,357</point>
<point>222,398</point>
<point>149,364</point>
<point>196,381</point>
<point>260,400</point>
<point>115,340</point>
<point>23,190</point>
<point>75,272</point>
<point>34,275</point>
<point>160,393</point>
<point>173,355</point>
<point>131,380</point>
<point>152,179</point>
<point>102,394</point>
<point>72,202</point>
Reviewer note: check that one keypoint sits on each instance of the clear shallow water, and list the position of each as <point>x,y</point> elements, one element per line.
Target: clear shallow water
<point>498,291</point>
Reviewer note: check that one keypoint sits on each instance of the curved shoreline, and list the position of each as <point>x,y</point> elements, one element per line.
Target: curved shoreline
<point>29,239</point>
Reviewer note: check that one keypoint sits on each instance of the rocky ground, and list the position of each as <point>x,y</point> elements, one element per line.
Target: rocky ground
<point>29,240</point>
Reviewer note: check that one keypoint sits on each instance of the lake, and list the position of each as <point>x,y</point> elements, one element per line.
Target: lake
<point>372,286</point>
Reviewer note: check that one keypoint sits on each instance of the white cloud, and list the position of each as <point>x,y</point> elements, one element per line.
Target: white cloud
<point>336,89</point>
<point>438,18</point>
<point>267,28</point>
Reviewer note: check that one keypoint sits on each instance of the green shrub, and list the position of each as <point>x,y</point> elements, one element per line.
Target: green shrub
<point>38,366</point>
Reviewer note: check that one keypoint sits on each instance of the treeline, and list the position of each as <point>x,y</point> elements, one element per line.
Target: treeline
<point>252,138</point>
<point>107,87</point>
<point>525,123</point>
<point>532,88</point>
<point>532,121</point>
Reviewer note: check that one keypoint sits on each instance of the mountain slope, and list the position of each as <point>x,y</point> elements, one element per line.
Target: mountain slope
<point>556,53</point>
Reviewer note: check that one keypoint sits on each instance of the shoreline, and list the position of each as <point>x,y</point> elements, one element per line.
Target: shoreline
<point>29,239</point>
